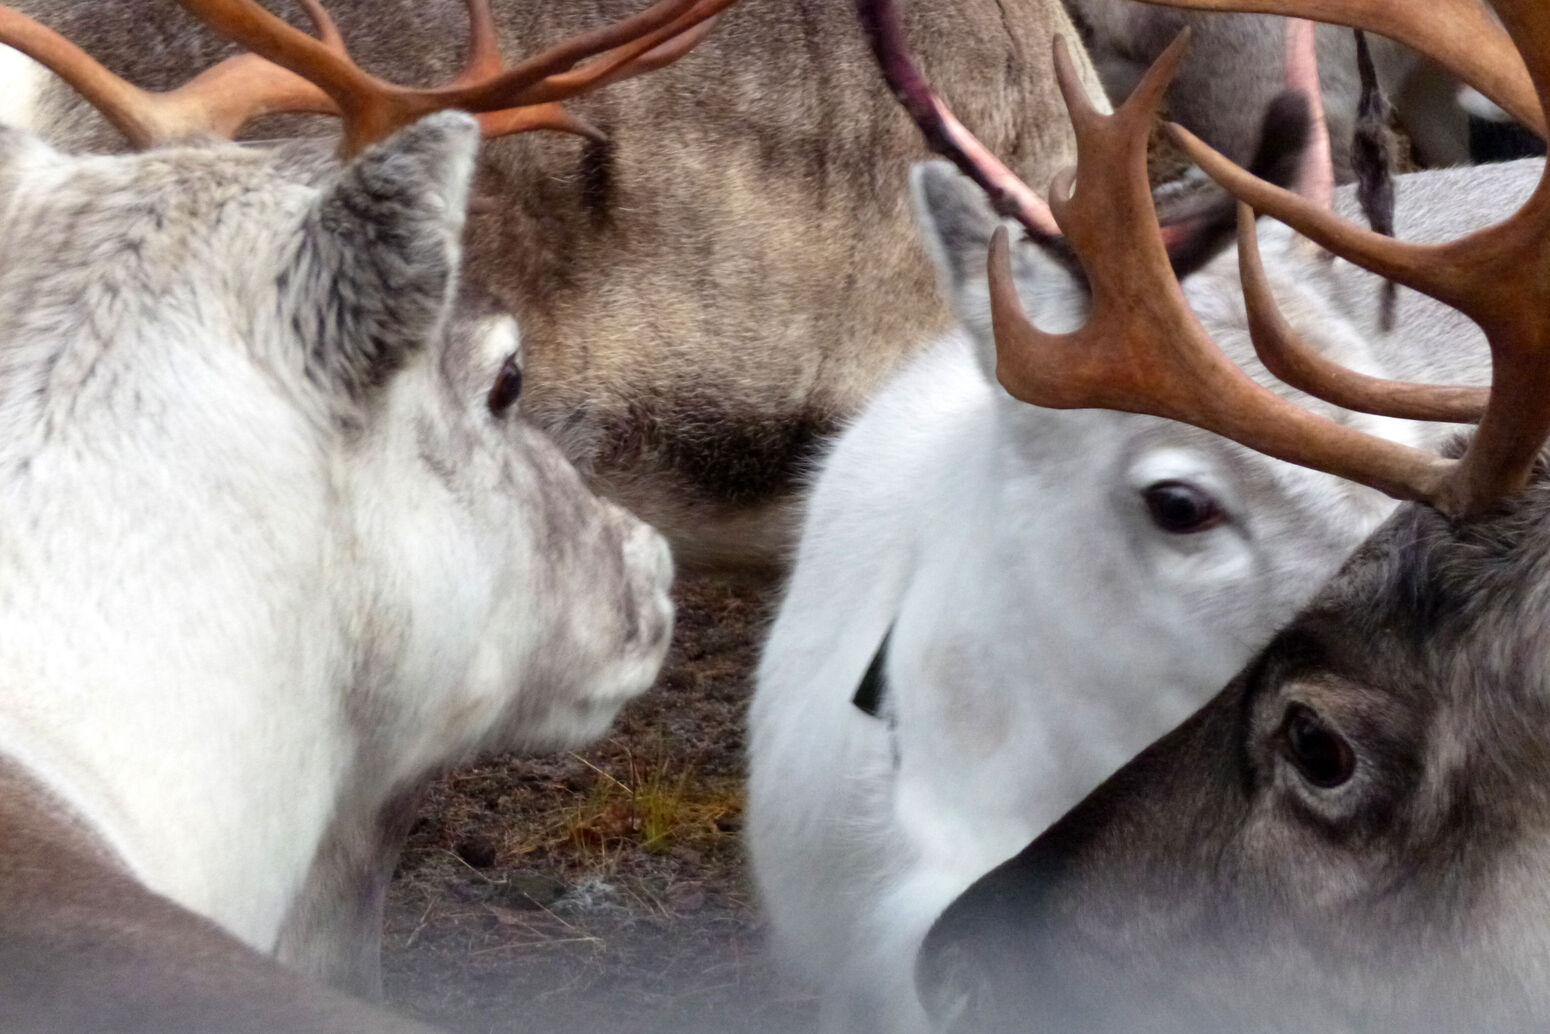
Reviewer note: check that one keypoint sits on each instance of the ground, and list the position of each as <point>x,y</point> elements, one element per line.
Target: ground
<point>605,890</point>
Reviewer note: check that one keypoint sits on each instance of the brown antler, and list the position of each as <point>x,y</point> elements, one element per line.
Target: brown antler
<point>373,108</point>
<point>219,101</point>
<point>1499,277</point>
<point>1293,361</point>
<point>1143,350</point>
<point>1461,35</point>
<point>289,70</point>
<point>1009,196</point>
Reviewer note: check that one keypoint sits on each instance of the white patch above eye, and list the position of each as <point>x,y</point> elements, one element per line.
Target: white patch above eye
<point>21,88</point>
<point>498,337</point>
<point>1180,464</point>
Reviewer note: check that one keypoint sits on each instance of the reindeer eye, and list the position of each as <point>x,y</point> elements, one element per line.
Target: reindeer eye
<point>507,387</point>
<point>1182,509</point>
<point>1322,755</point>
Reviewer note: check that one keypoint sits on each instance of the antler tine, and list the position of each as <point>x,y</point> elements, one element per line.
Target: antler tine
<point>126,106</point>
<point>612,64</point>
<point>653,50</point>
<point>553,115</point>
<point>484,49</point>
<point>1293,361</point>
<point>1499,277</point>
<point>1459,34</point>
<point>568,53</point>
<point>945,135</point>
<point>1142,349</point>
<point>372,108</point>
<point>218,101</point>
<point>539,104</point>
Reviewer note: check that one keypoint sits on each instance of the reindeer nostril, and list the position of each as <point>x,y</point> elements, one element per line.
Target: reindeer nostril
<point>954,989</point>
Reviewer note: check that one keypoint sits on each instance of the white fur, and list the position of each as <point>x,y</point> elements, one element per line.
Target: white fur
<point>235,612</point>
<point>1044,628</point>
<point>1480,106</point>
<point>21,88</point>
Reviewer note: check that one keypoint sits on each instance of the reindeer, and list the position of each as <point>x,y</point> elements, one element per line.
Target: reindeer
<point>1024,596</point>
<point>724,280</point>
<point>276,546</point>
<point>1237,70</point>
<point>1348,836</point>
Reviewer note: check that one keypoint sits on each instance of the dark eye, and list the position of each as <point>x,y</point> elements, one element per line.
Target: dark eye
<point>507,386</point>
<point>1320,753</point>
<point>1181,508</point>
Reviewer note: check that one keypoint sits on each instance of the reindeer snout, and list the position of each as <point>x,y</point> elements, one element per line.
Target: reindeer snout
<point>648,607</point>
<point>974,962</point>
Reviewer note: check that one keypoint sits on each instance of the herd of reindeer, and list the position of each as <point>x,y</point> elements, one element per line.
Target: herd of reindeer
<point>1165,635</point>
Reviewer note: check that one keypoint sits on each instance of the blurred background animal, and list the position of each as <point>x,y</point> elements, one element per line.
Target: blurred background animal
<point>1238,67</point>
<point>715,289</point>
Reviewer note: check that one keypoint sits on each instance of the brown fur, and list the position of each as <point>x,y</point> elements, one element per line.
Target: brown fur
<point>708,295</point>
<point>84,946</point>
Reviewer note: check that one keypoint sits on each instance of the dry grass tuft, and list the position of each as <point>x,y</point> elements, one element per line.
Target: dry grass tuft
<point>601,890</point>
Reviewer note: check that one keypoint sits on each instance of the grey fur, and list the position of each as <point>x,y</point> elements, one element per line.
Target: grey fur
<point>1236,66</point>
<point>374,267</point>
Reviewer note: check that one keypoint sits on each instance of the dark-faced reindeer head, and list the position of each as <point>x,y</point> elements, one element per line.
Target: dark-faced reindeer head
<point>1352,835</point>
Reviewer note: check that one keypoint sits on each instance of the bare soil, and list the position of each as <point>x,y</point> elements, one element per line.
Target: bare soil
<point>604,890</point>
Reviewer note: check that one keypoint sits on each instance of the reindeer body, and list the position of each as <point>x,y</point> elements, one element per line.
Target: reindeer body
<point>1237,68</point>
<point>270,560</point>
<point>84,945</point>
<point>710,294</point>
<point>1041,626</point>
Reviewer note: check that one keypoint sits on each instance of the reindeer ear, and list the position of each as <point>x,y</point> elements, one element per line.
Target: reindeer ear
<point>956,223</point>
<point>380,253</point>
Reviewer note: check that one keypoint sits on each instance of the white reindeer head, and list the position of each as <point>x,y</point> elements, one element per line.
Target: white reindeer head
<point>274,550</point>
<point>1113,508</point>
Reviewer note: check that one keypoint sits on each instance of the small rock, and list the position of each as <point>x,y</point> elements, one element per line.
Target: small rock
<point>531,891</point>
<point>688,855</point>
<point>686,898</point>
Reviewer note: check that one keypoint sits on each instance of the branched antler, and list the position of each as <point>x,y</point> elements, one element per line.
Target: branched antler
<point>218,102</point>
<point>1142,349</point>
<point>373,108</point>
<point>288,70</point>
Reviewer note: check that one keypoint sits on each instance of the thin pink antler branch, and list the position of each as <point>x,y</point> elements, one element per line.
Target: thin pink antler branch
<point>944,133</point>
